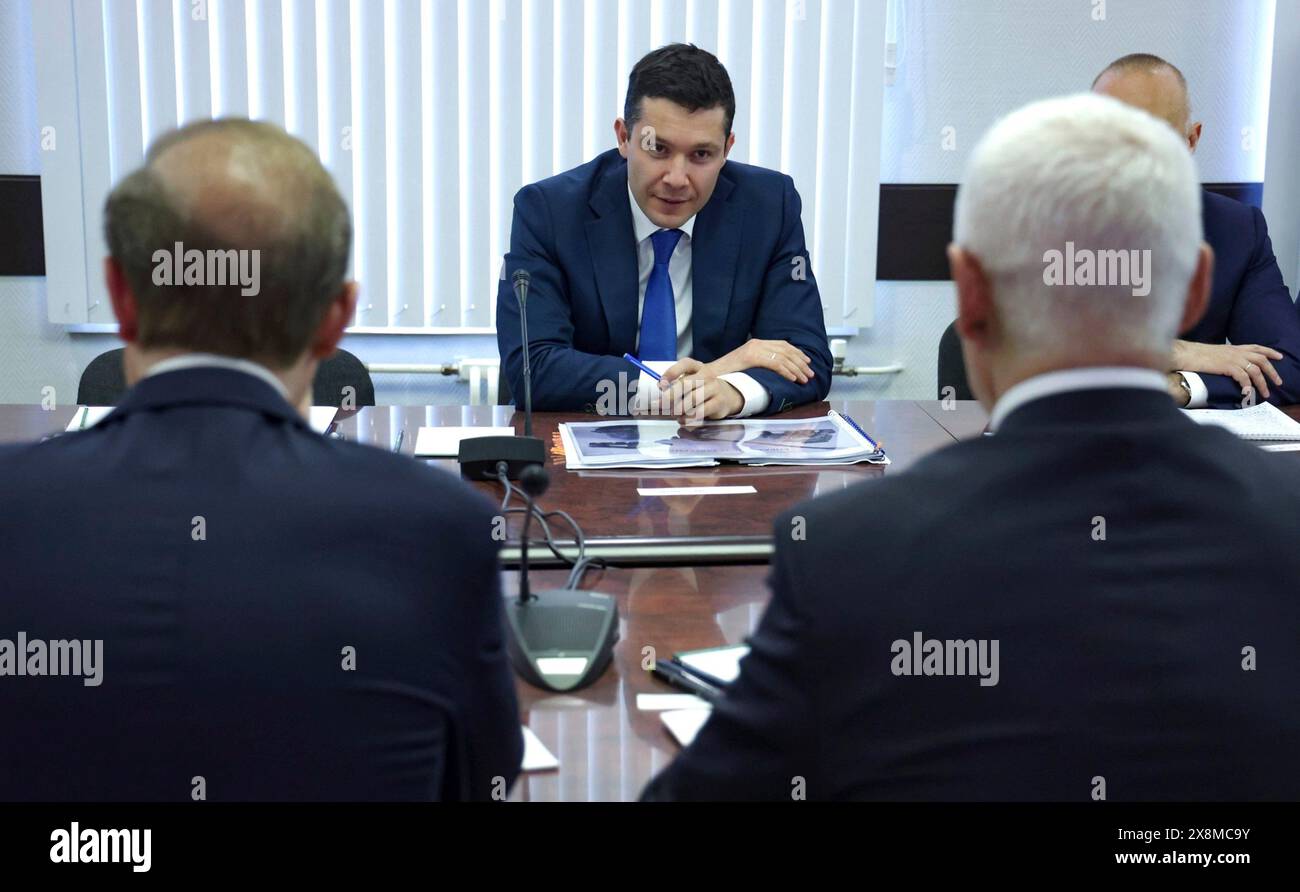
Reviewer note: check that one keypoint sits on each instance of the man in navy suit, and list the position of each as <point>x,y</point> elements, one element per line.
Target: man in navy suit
<point>271,615</point>
<point>665,250</point>
<point>1251,308</point>
<point>1036,615</point>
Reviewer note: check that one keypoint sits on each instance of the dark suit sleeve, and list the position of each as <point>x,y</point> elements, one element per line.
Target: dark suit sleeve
<point>490,713</point>
<point>1262,313</point>
<point>762,738</point>
<point>564,378</point>
<point>790,309</point>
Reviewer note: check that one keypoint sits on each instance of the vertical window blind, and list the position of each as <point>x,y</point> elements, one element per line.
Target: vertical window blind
<point>430,114</point>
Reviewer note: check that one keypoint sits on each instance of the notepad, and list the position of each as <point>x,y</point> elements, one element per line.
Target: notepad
<point>444,442</point>
<point>684,724</point>
<point>1263,421</point>
<point>721,663</point>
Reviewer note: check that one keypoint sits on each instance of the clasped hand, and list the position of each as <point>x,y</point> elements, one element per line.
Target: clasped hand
<point>1247,364</point>
<point>694,391</point>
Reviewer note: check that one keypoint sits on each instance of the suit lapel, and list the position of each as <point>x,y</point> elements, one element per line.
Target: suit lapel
<point>612,241</point>
<point>714,250</point>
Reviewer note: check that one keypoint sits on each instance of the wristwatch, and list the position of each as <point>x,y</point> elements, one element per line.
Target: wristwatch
<point>1181,380</point>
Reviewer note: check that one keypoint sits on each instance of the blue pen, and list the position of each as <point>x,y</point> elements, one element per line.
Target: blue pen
<point>642,366</point>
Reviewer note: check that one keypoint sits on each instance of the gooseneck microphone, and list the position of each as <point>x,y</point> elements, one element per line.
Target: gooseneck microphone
<point>521,280</point>
<point>561,639</point>
<point>533,481</point>
<point>479,456</point>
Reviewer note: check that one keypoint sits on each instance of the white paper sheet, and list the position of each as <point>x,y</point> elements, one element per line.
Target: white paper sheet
<point>723,663</point>
<point>444,442</point>
<point>695,490</point>
<point>536,756</point>
<point>684,724</point>
<point>664,702</point>
<point>88,416</point>
<point>322,417</point>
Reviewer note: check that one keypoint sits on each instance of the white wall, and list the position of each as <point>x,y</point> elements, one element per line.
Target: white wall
<point>962,64</point>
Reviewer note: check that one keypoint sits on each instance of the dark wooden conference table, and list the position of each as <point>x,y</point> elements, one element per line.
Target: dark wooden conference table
<point>670,597</point>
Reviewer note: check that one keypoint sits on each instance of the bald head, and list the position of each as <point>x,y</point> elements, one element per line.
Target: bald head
<point>220,187</point>
<point>1153,85</point>
<point>244,182</point>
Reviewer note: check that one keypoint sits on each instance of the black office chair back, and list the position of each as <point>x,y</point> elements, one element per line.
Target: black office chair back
<point>336,375</point>
<point>504,396</point>
<point>104,381</point>
<point>952,366</point>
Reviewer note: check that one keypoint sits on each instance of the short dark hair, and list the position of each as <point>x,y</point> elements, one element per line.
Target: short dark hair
<point>1141,61</point>
<point>684,74</point>
<point>295,219</point>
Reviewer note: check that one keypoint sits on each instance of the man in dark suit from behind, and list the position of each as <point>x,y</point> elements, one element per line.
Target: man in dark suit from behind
<point>1097,601</point>
<point>282,616</point>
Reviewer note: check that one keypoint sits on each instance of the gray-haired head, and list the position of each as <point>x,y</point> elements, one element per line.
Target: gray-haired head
<point>1064,181</point>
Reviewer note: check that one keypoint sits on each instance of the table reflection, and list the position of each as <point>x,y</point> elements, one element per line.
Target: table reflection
<point>607,748</point>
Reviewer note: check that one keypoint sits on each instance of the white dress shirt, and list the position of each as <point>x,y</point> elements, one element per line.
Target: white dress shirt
<point>215,361</point>
<point>1200,395</point>
<point>1067,380</point>
<point>681,275</point>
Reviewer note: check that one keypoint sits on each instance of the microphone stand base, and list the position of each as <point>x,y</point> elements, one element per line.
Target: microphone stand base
<point>478,456</point>
<point>563,639</point>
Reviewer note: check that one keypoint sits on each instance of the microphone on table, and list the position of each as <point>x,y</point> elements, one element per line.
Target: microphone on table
<point>560,639</point>
<point>478,456</point>
<point>521,279</point>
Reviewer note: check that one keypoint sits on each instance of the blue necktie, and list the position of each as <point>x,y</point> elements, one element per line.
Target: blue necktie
<point>659,313</point>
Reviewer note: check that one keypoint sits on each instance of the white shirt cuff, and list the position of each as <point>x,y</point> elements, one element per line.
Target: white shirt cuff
<point>1200,393</point>
<point>755,394</point>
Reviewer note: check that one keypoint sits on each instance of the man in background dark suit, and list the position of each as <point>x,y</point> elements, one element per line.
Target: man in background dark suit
<point>1246,347</point>
<point>665,250</point>
<point>1036,615</point>
<point>280,616</point>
